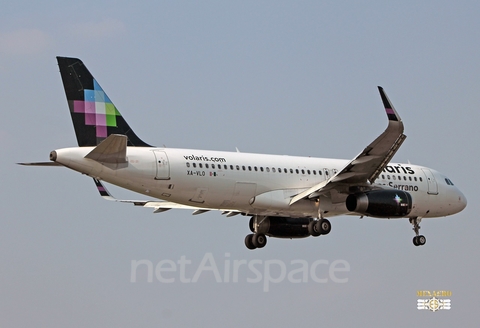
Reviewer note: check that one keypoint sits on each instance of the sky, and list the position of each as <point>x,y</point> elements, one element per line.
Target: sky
<point>276,77</point>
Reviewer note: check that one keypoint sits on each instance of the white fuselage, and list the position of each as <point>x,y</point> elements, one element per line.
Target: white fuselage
<point>256,183</point>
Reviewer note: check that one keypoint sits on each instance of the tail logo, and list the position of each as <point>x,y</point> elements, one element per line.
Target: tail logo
<point>98,109</point>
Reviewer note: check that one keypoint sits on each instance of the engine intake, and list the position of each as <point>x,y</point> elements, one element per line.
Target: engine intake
<point>380,203</point>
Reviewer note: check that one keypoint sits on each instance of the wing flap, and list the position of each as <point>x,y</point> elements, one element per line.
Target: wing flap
<point>158,206</point>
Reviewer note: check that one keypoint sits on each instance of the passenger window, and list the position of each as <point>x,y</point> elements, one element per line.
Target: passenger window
<point>268,169</point>
<point>291,170</point>
<point>231,167</point>
<point>206,165</point>
<point>279,170</point>
<point>255,168</point>
<point>388,176</point>
<point>296,170</point>
<point>383,176</point>
<point>188,164</point>
<point>213,166</point>
<point>261,168</point>
<point>415,178</point>
<point>303,171</point>
<point>243,167</point>
<point>273,169</point>
<point>194,164</point>
<point>238,167</point>
<point>200,165</point>
<point>319,172</point>
<point>249,168</point>
<point>314,172</point>
<point>285,170</point>
<point>410,178</point>
<point>308,172</point>
<point>394,177</point>
<point>420,179</point>
<point>225,166</point>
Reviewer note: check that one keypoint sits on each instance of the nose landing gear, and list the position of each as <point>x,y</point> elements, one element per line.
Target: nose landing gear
<point>418,240</point>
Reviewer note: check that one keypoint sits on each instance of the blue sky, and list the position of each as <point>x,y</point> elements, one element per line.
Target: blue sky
<point>279,77</point>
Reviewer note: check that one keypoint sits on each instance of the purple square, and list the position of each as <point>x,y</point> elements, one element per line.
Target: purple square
<point>101,131</point>
<point>89,119</point>
<point>78,106</point>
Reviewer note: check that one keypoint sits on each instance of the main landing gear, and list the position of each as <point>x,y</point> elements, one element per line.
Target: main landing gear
<point>257,240</point>
<point>299,228</point>
<point>418,240</point>
<point>319,227</point>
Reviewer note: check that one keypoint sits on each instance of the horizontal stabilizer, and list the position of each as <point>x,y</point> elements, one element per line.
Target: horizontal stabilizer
<point>41,164</point>
<point>111,150</point>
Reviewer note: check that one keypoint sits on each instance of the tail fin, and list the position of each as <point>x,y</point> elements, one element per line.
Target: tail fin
<point>93,114</point>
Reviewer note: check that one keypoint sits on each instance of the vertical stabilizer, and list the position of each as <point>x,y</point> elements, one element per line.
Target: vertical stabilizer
<point>94,115</point>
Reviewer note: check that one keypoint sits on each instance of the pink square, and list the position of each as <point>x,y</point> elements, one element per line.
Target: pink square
<point>90,119</point>
<point>101,131</point>
<point>78,106</point>
<point>90,107</point>
<point>101,119</point>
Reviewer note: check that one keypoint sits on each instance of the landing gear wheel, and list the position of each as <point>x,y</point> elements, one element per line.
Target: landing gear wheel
<point>415,242</point>
<point>419,240</point>
<point>249,241</point>
<point>259,240</point>
<point>325,226</point>
<point>311,229</point>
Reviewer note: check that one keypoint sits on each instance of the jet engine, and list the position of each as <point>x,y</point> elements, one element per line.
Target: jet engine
<point>380,203</point>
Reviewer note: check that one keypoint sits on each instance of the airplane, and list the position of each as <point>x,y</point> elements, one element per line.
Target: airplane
<point>284,196</point>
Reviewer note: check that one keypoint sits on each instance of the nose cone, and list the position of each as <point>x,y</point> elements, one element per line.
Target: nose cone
<point>456,201</point>
<point>462,201</point>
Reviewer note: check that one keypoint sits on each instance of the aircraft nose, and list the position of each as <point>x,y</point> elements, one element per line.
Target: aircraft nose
<point>462,201</point>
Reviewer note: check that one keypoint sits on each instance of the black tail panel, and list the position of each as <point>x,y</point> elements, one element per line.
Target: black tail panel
<point>94,115</point>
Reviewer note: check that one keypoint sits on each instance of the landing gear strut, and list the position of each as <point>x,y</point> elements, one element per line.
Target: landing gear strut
<point>418,240</point>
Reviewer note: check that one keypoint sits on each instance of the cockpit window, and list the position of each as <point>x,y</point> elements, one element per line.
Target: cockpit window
<point>449,182</point>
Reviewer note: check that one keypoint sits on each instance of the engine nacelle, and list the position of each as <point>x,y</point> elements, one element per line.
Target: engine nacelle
<point>282,227</point>
<point>380,203</point>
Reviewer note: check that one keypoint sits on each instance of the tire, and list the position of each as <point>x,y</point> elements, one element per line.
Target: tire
<point>259,240</point>
<point>249,242</point>
<point>421,240</point>
<point>311,229</point>
<point>415,241</point>
<point>323,226</point>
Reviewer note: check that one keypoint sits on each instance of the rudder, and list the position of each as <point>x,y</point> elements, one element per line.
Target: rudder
<point>94,115</point>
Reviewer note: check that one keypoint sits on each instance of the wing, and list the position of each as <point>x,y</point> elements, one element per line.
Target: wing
<point>159,206</point>
<point>367,166</point>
